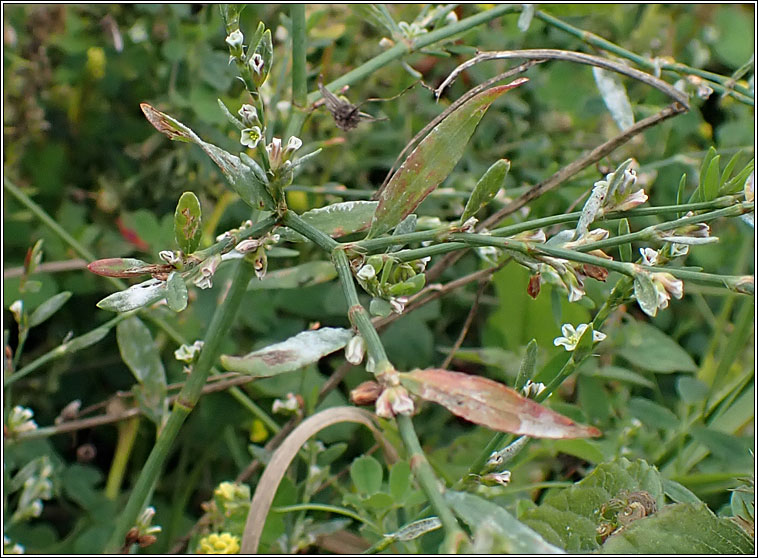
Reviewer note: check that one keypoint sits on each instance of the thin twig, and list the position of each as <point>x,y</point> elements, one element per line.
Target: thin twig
<point>467,323</point>
<point>569,56</point>
<point>47,267</point>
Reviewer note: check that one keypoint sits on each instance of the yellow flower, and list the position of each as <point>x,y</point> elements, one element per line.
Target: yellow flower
<point>223,543</point>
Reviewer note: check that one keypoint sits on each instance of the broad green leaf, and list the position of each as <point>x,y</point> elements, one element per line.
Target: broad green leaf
<point>295,277</point>
<point>726,447</point>
<point>380,501</point>
<point>229,116</point>
<point>645,293</point>
<point>615,97</point>
<point>513,537</point>
<point>588,450</point>
<point>488,186</point>
<point>139,353</point>
<point>294,353</point>
<point>187,223</point>
<point>136,296</point>
<point>333,452</point>
<point>648,348</point>
<point>119,267</point>
<point>379,307</point>
<point>400,480</point>
<point>48,308</point>
<point>620,374</point>
<point>680,529</point>
<point>489,403</point>
<point>367,475</point>
<point>83,341</point>
<point>568,518</point>
<point>337,219</point>
<point>432,160</point>
<point>652,414</point>
<point>176,292</point>
<point>241,177</point>
<point>625,250</point>
<point>710,182</point>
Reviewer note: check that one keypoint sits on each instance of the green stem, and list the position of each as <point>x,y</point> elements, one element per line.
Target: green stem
<point>188,397</point>
<point>742,94</point>
<point>326,508</point>
<point>323,241</point>
<point>428,481</point>
<point>299,84</point>
<point>127,434</point>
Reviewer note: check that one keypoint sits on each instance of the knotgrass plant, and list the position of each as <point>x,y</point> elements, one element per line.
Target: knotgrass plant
<point>385,245</point>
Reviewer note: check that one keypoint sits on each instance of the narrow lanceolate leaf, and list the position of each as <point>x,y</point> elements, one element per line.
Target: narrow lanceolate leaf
<point>136,296</point>
<point>241,177</point>
<point>432,160</point>
<point>711,180</point>
<point>119,267</point>
<point>337,219</point>
<point>512,536</point>
<point>489,185</point>
<point>615,97</point>
<point>176,292</point>
<point>625,250</point>
<point>48,308</point>
<point>294,353</point>
<point>491,404</point>
<point>187,221</point>
<point>296,277</point>
<point>645,293</point>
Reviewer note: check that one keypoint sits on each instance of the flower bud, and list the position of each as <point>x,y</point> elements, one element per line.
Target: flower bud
<point>394,401</point>
<point>366,393</point>
<point>249,115</point>
<point>355,350</point>
<point>248,245</point>
<point>274,150</point>
<point>256,63</point>
<point>234,40</point>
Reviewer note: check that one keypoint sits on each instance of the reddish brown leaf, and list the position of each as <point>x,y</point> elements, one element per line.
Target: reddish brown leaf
<point>120,267</point>
<point>491,404</point>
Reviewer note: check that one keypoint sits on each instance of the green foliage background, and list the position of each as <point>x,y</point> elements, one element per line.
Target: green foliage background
<point>77,142</point>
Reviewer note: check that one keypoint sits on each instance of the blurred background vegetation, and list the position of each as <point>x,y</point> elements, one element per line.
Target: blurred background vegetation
<point>76,141</point>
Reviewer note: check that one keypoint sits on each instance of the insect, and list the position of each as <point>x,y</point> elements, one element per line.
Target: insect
<point>346,115</point>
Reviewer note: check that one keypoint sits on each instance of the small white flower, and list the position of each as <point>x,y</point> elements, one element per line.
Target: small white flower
<point>250,137</point>
<point>394,401</point>
<point>235,40</point>
<point>571,336</point>
<point>274,150</point>
<point>398,303</point>
<point>355,350</point>
<point>503,478</point>
<point>749,187</point>
<point>248,245</point>
<point>666,285</point>
<point>649,256</point>
<point>171,258</point>
<point>289,406</point>
<point>469,225</point>
<point>386,43</point>
<point>294,143</point>
<point>677,250</point>
<point>188,353</point>
<point>17,309</point>
<point>366,273</point>
<point>20,420</point>
<point>532,389</point>
<point>256,63</point>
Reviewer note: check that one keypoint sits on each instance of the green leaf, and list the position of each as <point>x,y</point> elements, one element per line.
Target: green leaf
<point>266,49</point>
<point>710,182</point>
<point>620,374</point>
<point>680,193</point>
<point>176,292</point>
<point>691,390</point>
<point>241,177</point>
<point>491,404</point>
<point>615,97</point>
<point>330,454</point>
<point>487,187</point>
<point>136,296</point>
<point>294,353</point>
<point>295,277</point>
<point>698,194</point>
<point>379,307</point>
<point>569,517</point>
<point>512,535</point>
<point>432,161</point>
<point>367,475</point>
<point>680,529</point>
<point>187,223</point>
<point>337,219</point>
<point>256,37</point>
<point>652,414</point>
<point>119,267</point>
<point>679,493</point>
<point>583,449</point>
<point>647,347</point>
<point>625,250</point>
<point>400,481</point>
<point>48,308</point>
<point>229,116</point>
<point>378,16</point>
<point>726,447</point>
<point>83,341</point>
<point>139,353</point>
<point>646,293</point>
<point>528,365</point>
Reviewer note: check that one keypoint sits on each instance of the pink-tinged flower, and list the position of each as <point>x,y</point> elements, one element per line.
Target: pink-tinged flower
<point>249,115</point>
<point>274,150</point>
<point>205,279</point>
<point>666,285</point>
<point>503,478</point>
<point>649,256</point>
<point>394,401</point>
<point>629,202</point>
<point>533,389</point>
<point>256,63</point>
<point>355,350</point>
